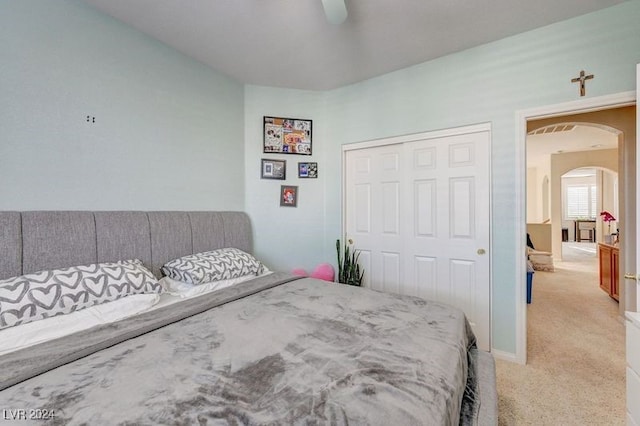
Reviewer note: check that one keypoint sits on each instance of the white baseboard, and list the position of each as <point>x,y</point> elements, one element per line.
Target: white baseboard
<point>506,356</point>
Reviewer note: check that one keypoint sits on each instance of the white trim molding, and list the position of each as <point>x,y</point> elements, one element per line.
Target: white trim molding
<point>505,356</point>
<point>454,131</point>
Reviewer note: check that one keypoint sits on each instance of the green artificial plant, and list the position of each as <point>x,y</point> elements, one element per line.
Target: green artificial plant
<point>348,268</point>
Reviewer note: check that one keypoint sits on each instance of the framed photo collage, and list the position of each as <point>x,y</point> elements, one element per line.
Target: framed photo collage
<point>287,136</point>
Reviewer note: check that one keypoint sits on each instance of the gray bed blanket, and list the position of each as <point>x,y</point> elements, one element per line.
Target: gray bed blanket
<point>273,350</point>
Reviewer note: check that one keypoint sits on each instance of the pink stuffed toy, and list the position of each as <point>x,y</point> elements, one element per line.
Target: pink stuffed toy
<point>323,271</point>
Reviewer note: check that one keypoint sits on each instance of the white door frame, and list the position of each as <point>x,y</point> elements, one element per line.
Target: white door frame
<point>522,116</point>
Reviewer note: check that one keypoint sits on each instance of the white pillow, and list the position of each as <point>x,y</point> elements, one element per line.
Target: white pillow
<point>22,336</point>
<point>186,290</point>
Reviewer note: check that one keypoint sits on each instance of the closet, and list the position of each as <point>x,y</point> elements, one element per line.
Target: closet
<point>418,209</point>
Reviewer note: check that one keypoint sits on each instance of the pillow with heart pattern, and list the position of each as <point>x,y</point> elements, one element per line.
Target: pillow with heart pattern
<point>44,294</point>
<point>210,266</point>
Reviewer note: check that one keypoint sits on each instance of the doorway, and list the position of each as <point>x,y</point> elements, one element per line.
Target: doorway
<point>572,179</point>
<point>576,111</point>
<point>572,176</point>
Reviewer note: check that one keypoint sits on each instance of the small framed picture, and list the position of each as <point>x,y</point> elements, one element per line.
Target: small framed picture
<point>307,170</point>
<point>273,169</point>
<point>288,196</point>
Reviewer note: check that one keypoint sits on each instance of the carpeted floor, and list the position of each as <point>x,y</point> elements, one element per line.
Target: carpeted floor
<point>575,372</point>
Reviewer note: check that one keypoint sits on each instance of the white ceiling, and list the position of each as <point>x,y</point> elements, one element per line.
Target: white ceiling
<point>290,43</point>
<point>583,137</point>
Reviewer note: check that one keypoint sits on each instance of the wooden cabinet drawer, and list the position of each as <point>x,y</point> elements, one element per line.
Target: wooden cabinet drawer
<point>633,395</point>
<point>633,346</point>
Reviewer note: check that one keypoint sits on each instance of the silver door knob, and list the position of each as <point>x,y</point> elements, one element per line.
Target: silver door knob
<point>481,251</point>
<point>628,276</point>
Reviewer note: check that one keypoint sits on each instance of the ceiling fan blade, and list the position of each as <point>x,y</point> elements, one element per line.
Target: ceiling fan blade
<point>335,10</point>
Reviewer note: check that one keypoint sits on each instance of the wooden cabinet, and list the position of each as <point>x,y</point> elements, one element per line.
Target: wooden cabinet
<point>609,273</point>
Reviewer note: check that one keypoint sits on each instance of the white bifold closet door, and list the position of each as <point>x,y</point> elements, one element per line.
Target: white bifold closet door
<point>419,212</point>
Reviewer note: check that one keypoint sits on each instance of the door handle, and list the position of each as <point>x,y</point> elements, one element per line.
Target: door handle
<point>629,276</point>
<point>481,251</point>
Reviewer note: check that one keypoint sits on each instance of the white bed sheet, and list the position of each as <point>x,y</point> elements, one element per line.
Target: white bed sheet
<point>25,335</point>
<point>186,290</point>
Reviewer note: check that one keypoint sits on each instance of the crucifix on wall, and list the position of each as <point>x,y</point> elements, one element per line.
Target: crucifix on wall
<point>582,79</point>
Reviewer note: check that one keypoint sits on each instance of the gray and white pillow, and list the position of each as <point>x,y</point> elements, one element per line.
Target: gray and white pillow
<point>44,294</point>
<point>209,266</point>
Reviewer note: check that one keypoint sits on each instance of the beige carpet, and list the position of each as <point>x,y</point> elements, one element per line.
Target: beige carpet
<point>575,373</point>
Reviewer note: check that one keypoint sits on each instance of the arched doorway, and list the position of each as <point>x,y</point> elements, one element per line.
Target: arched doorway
<point>554,151</point>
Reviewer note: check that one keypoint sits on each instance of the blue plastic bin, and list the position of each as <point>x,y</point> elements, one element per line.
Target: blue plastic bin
<point>529,284</point>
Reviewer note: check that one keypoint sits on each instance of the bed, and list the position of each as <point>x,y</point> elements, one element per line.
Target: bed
<point>267,348</point>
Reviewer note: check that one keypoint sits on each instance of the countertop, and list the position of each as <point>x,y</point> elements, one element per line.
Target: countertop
<point>615,246</point>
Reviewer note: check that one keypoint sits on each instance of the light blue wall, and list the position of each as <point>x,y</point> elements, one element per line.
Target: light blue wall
<point>168,131</point>
<point>485,84</point>
<point>286,237</point>
<point>172,134</point>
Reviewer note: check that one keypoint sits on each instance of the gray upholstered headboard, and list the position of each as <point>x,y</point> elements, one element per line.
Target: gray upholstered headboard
<point>39,240</point>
